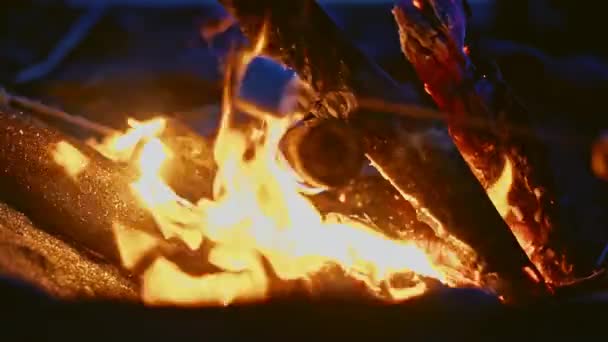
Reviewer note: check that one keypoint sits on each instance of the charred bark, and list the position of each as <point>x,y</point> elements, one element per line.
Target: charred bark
<point>52,265</point>
<point>436,181</point>
<point>81,208</point>
<point>491,128</point>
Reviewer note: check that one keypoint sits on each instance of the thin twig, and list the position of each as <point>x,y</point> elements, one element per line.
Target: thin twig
<point>422,113</point>
<point>48,111</point>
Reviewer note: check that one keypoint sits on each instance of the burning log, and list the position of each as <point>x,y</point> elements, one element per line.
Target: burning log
<point>436,181</point>
<point>38,258</point>
<point>81,202</point>
<point>599,157</point>
<point>313,149</point>
<point>501,147</point>
<point>69,189</point>
<point>192,163</point>
<point>453,315</point>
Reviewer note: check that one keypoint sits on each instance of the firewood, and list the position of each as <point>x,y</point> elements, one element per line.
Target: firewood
<point>472,90</point>
<point>327,153</point>
<point>54,266</point>
<point>192,162</point>
<point>80,200</point>
<point>191,171</point>
<point>435,180</point>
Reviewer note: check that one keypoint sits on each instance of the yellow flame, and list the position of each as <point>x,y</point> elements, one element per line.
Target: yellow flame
<point>499,191</point>
<point>259,217</point>
<point>165,283</point>
<point>121,147</point>
<point>70,158</point>
<point>133,245</point>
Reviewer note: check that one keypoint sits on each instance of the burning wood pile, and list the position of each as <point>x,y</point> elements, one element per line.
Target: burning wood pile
<point>275,204</point>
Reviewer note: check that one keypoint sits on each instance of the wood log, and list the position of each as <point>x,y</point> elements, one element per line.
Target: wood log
<point>192,159</point>
<point>493,131</point>
<point>436,181</point>
<point>82,207</point>
<point>454,315</point>
<point>54,266</point>
<point>301,35</point>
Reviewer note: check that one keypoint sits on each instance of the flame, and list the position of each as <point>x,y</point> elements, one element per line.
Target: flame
<point>499,195</point>
<point>70,158</point>
<point>259,226</point>
<point>258,215</point>
<point>499,191</point>
<point>522,230</point>
<point>121,147</point>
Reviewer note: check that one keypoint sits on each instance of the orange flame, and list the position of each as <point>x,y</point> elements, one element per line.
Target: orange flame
<point>499,191</point>
<point>121,147</point>
<point>259,216</point>
<point>70,158</point>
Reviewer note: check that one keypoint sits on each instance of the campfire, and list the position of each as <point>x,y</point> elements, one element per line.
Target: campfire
<point>345,187</point>
<point>260,226</point>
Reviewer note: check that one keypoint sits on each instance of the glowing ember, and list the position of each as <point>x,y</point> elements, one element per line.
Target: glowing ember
<point>72,160</point>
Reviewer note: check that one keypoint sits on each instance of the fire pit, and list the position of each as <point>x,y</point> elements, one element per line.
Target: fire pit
<point>327,192</point>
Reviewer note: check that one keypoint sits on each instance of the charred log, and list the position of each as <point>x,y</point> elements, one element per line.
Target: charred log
<point>52,265</point>
<point>192,168</point>
<point>492,130</point>
<point>326,153</point>
<point>81,205</point>
<point>450,201</point>
<point>192,161</point>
